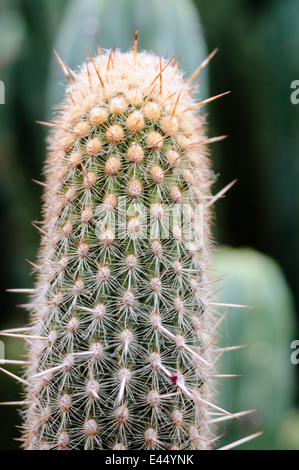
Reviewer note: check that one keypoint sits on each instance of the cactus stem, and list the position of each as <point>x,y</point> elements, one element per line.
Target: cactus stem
<point>123,325</point>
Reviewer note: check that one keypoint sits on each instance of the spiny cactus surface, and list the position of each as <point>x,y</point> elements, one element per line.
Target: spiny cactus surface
<point>122,320</point>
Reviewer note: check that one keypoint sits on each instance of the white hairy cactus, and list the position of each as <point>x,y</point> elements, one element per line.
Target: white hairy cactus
<point>123,323</point>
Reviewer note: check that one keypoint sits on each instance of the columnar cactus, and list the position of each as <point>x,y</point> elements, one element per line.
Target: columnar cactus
<point>122,317</point>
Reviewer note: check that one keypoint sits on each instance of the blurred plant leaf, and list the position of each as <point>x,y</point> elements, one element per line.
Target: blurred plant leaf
<point>258,61</point>
<point>268,377</point>
<point>12,33</point>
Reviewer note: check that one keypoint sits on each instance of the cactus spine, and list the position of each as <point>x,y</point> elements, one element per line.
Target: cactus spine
<point>122,320</point>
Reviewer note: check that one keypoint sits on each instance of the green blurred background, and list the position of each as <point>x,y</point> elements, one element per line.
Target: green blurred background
<point>258,60</point>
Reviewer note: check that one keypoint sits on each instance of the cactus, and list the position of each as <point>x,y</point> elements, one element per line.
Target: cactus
<point>123,321</point>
